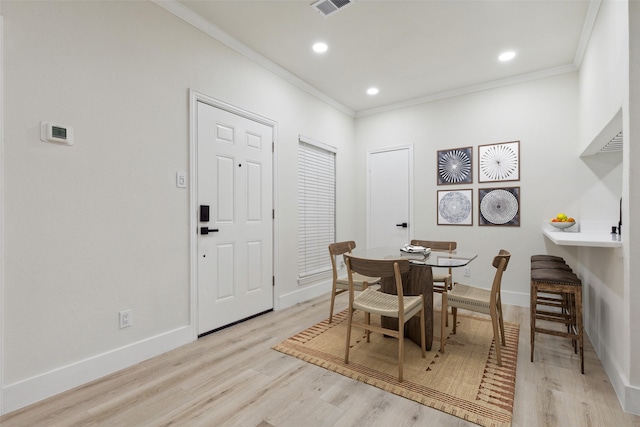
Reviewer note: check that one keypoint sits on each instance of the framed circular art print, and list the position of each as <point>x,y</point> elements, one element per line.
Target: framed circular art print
<point>499,206</point>
<point>455,166</point>
<point>455,207</point>
<point>499,162</point>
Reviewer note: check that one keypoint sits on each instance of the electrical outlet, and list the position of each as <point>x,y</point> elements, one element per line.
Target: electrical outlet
<point>125,319</point>
<point>467,271</point>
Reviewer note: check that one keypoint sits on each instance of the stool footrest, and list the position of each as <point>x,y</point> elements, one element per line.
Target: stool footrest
<point>551,317</point>
<point>571,335</point>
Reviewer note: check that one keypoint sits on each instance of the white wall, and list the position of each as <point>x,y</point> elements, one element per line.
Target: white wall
<point>611,297</point>
<point>632,208</point>
<point>542,115</point>
<point>100,226</point>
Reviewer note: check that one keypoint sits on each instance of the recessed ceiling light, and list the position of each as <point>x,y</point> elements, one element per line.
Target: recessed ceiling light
<point>507,56</point>
<point>373,91</point>
<point>320,47</point>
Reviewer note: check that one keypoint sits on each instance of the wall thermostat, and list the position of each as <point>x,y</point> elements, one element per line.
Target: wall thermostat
<point>58,134</point>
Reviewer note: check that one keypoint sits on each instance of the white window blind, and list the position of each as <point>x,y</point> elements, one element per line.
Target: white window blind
<point>316,207</point>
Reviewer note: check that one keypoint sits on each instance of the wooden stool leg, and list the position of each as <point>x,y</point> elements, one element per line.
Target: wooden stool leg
<point>534,298</point>
<point>579,327</point>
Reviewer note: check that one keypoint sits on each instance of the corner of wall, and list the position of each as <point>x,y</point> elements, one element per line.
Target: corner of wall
<point>628,395</point>
<point>1,216</point>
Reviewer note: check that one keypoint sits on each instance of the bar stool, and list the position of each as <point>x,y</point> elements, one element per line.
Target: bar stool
<point>553,258</point>
<point>567,288</point>
<point>550,264</point>
<point>555,300</point>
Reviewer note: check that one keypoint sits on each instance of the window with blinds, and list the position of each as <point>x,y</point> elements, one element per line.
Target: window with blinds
<point>316,208</point>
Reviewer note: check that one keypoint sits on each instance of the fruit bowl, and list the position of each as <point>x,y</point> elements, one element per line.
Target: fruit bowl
<point>562,225</point>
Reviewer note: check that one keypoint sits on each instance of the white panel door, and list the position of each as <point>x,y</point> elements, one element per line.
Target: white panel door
<point>389,184</point>
<point>235,181</point>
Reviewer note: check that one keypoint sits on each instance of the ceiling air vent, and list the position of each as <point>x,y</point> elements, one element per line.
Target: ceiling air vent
<point>328,7</point>
<point>614,145</point>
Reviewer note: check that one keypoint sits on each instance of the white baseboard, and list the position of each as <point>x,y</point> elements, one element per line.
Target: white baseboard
<point>321,288</point>
<point>34,389</point>
<point>631,401</point>
<point>628,395</point>
<point>304,294</point>
<point>515,298</point>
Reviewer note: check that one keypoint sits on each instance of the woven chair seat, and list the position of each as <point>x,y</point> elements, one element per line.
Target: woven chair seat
<point>444,277</point>
<point>470,298</point>
<point>386,304</point>
<point>441,277</point>
<point>358,281</point>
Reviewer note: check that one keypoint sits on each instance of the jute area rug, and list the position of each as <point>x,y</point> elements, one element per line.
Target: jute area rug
<point>465,381</point>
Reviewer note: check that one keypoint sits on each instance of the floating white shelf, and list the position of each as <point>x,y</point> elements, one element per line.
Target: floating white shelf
<point>588,233</point>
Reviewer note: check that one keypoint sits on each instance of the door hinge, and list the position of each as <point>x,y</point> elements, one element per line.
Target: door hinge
<point>273,146</point>
<point>273,281</point>
<point>273,214</point>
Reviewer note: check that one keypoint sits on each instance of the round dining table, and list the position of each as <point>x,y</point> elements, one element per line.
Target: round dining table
<point>419,280</point>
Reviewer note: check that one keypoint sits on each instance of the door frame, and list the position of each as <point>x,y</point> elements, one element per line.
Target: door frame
<point>408,147</point>
<point>2,299</point>
<point>194,98</point>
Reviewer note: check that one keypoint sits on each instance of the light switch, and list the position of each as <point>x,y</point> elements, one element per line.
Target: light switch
<point>181,180</point>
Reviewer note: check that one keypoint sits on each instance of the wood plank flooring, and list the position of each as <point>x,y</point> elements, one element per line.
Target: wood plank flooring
<point>234,378</point>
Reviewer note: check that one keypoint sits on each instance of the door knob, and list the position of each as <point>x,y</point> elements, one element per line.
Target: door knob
<point>403,225</point>
<point>206,230</point>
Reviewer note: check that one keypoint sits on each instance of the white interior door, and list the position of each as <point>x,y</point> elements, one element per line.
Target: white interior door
<point>234,173</point>
<point>389,196</point>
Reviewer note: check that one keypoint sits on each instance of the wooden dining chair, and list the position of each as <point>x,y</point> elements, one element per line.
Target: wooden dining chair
<point>442,282</point>
<point>341,284</point>
<point>479,300</point>
<point>371,301</point>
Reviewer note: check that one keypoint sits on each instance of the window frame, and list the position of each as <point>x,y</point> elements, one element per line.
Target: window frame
<point>313,254</point>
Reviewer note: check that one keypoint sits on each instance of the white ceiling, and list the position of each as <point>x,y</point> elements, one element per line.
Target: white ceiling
<point>411,50</point>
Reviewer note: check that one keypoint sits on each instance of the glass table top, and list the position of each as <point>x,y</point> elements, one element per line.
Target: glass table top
<point>435,258</point>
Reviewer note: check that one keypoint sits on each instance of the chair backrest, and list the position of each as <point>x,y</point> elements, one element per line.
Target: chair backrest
<point>438,245</point>
<point>435,244</point>
<point>378,268</point>
<point>500,262</point>
<point>339,248</point>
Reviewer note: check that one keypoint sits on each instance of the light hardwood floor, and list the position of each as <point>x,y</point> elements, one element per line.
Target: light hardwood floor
<point>234,378</point>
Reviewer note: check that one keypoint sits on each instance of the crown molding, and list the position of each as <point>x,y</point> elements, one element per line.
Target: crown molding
<point>189,16</point>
